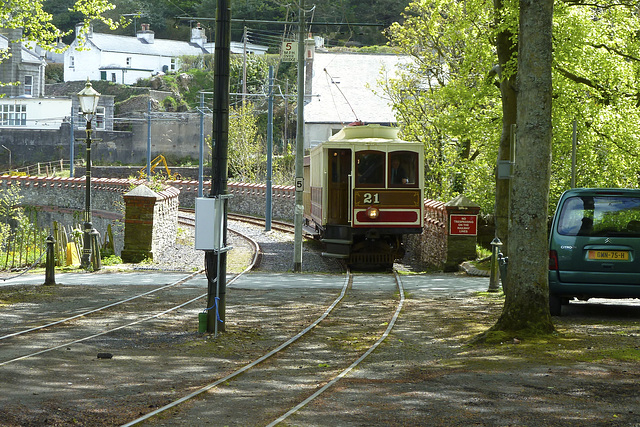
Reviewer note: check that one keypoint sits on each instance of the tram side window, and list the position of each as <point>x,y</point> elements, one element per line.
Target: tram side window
<point>370,168</point>
<point>403,166</point>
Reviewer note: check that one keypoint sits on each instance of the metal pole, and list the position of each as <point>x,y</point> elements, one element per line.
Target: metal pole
<point>149,140</point>
<point>86,249</point>
<point>244,66</point>
<point>573,154</point>
<point>298,210</point>
<point>216,262</point>
<point>201,158</point>
<point>72,153</point>
<point>267,215</point>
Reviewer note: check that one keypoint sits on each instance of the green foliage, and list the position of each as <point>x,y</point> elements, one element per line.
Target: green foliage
<point>111,260</point>
<point>447,97</point>
<point>445,86</point>
<point>54,73</point>
<point>246,146</point>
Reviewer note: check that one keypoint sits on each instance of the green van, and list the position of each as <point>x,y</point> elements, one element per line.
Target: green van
<point>594,246</point>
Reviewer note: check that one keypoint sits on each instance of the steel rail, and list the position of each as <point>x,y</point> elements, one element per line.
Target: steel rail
<point>353,365</point>
<point>245,368</point>
<point>229,282</point>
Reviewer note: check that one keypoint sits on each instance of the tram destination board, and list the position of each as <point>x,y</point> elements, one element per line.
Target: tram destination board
<point>463,225</point>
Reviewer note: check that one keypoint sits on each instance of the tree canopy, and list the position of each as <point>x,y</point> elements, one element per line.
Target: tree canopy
<point>449,96</point>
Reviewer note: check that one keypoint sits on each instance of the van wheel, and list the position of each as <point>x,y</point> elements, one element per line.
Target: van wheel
<point>555,305</point>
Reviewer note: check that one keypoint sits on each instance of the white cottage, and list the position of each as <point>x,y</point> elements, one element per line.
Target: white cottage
<point>125,59</point>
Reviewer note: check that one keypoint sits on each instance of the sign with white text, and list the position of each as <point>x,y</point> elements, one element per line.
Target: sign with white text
<point>464,225</point>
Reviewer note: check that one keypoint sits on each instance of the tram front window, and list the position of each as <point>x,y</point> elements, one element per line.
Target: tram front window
<point>402,168</point>
<point>370,168</point>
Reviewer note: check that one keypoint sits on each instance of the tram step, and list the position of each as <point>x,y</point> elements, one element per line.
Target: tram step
<point>337,241</point>
<point>331,255</point>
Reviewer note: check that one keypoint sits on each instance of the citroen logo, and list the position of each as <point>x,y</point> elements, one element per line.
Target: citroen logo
<point>607,240</point>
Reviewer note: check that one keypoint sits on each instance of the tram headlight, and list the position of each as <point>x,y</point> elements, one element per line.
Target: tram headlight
<point>372,212</point>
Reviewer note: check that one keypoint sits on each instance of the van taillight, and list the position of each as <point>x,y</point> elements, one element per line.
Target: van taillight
<point>553,260</point>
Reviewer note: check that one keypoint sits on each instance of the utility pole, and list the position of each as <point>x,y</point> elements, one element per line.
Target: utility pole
<point>244,67</point>
<point>267,214</point>
<point>298,210</point>
<point>216,261</point>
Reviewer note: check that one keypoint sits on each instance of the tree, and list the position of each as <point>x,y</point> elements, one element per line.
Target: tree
<point>443,97</point>
<point>526,305</point>
<point>37,24</point>
<point>246,146</point>
<point>506,22</point>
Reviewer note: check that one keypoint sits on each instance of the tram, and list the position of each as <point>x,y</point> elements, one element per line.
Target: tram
<point>363,192</point>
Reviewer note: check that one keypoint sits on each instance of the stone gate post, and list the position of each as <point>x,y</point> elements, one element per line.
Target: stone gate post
<point>462,231</point>
<point>150,222</point>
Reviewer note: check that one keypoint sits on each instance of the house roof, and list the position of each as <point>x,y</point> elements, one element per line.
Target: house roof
<point>135,45</point>
<point>343,85</point>
<point>28,55</point>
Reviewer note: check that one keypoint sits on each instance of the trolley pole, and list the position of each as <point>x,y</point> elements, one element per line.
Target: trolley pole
<point>216,261</point>
<point>298,210</point>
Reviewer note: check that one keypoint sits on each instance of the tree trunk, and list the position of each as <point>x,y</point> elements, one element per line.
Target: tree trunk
<point>506,50</point>
<point>527,302</point>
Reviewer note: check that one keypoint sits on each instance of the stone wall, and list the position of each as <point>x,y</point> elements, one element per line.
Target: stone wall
<point>63,200</point>
<point>431,245</point>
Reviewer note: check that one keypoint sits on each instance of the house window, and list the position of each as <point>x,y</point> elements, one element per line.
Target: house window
<point>99,119</point>
<point>13,115</point>
<point>97,122</point>
<point>103,75</point>
<point>128,61</point>
<point>28,85</point>
<point>174,62</point>
<point>72,62</point>
<point>113,77</point>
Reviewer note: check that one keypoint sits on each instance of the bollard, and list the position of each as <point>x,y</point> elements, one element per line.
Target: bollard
<point>50,263</point>
<point>493,278</point>
<point>503,263</point>
<point>95,250</point>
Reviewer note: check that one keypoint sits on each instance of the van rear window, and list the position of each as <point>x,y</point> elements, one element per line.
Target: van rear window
<point>600,216</point>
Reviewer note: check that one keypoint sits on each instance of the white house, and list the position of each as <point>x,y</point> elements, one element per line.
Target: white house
<point>125,59</point>
<point>341,89</point>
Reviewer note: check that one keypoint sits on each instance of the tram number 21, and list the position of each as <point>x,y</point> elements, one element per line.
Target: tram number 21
<point>370,198</point>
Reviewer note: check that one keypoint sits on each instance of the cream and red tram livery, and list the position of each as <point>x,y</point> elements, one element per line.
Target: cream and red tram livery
<point>364,191</point>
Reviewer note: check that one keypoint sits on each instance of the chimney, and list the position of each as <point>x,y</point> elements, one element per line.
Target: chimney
<point>198,35</point>
<point>79,29</point>
<point>145,34</point>
<point>309,53</point>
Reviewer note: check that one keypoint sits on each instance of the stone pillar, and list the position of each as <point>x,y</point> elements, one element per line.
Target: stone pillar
<point>462,231</point>
<point>150,222</point>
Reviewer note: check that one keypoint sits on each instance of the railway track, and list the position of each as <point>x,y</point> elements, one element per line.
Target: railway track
<point>186,217</point>
<point>114,315</point>
<point>146,317</point>
<point>279,384</point>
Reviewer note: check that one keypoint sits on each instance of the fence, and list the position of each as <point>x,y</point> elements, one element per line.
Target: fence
<point>23,244</point>
<point>50,168</point>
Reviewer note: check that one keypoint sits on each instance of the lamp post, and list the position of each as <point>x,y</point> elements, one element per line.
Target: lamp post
<point>88,98</point>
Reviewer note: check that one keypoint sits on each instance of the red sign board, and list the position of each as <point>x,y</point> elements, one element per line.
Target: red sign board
<point>465,225</point>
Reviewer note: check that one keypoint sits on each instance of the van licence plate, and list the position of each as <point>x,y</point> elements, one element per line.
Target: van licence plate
<point>609,255</point>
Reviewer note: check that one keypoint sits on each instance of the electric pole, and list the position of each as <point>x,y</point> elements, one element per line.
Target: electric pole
<point>216,261</point>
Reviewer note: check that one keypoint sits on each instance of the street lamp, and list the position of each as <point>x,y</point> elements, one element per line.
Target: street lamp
<point>88,98</point>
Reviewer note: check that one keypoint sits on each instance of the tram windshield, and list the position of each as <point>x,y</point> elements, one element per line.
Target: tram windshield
<point>370,168</point>
<point>402,171</point>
